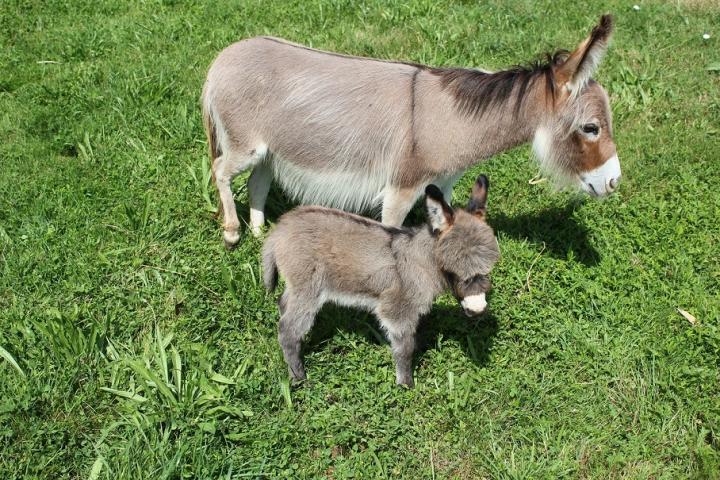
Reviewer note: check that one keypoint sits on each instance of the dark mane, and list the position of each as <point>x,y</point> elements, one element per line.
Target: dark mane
<point>476,91</point>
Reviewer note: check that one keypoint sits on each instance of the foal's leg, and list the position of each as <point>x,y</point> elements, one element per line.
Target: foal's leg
<point>298,317</point>
<point>258,188</point>
<point>401,332</point>
<point>397,202</point>
<point>225,168</point>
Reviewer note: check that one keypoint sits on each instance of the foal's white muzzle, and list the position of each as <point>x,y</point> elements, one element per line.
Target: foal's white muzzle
<point>603,180</point>
<point>474,304</point>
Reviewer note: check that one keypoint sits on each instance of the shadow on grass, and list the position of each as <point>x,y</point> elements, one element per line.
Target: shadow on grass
<point>474,335</point>
<point>564,237</point>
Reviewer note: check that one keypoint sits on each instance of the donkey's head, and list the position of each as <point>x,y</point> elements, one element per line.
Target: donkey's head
<point>466,248</point>
<point>575,139</point>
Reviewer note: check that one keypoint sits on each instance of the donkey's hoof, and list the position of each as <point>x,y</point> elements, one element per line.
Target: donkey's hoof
<point>257,231</point>
<point>231,239</point>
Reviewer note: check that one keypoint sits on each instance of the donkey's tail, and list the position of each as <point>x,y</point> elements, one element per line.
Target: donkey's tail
<point>270,272</point>
<point>210,127</point>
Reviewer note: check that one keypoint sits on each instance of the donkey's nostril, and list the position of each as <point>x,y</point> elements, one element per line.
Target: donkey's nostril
<point>613,183</point>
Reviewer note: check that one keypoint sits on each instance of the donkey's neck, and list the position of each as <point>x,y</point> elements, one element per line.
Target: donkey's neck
<point>482,114</point>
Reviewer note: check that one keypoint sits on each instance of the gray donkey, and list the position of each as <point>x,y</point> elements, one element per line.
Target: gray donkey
<point>328,255</point>
<point>319,121</point>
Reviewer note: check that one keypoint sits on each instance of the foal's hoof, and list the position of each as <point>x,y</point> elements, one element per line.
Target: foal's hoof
<point>296,383</point>
<point>408,384</point>
<point>231,239</point>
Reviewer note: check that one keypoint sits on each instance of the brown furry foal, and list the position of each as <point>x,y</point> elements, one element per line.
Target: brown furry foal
<point>327,255</point>
<point>320,121</point>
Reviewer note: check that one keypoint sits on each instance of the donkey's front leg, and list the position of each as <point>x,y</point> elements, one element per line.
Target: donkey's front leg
<point>397,202</point>
<point>446,184</point>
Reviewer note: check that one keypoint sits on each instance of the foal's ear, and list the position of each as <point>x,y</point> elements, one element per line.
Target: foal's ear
<point>580,65</point>
<point>478,197</point>
<point>440,214</point>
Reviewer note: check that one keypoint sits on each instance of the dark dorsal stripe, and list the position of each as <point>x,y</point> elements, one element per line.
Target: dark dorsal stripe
<point>366,222</point>
<point>475,91</point>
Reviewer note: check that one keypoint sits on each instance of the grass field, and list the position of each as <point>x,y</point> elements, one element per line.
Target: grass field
<point>134,345</point>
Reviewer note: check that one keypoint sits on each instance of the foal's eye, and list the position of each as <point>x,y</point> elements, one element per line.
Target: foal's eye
<point>591,128</point>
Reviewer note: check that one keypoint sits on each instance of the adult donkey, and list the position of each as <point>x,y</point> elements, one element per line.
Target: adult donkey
<point>356,133</point>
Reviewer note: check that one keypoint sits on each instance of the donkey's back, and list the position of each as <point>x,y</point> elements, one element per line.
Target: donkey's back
<point>314,120</point>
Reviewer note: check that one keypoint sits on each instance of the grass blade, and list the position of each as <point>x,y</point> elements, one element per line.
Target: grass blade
<point>11,360</point>
<point>149,376</point>
<point>96,468</point>
<point>125,394</point>
<point>177,369</point>
<point>163,354</point>
<point>220,378</point>
<point>285,392</point>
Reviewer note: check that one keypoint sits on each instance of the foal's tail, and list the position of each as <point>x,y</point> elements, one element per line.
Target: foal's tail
<point>270,272</point>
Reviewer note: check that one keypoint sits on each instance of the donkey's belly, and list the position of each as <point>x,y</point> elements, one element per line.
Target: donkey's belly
<point>355,191</point>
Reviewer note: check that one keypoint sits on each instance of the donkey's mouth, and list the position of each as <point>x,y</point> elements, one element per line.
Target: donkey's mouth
<point>603,180</point>
<point>591,189</point>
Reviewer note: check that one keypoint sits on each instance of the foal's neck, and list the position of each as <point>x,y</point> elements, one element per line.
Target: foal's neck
<point>418,246</point>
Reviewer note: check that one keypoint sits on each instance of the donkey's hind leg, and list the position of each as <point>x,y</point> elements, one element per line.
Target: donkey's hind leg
<point>258,188</point>
<point>295,322</point>
<point>225,168</point>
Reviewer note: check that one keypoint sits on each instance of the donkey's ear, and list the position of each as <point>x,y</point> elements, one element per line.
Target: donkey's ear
<point>478,197</point>
<point>580,65</point>
<point>440,214</point>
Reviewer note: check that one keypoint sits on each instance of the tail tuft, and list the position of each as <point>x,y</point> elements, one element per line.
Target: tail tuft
<point>270,272</point>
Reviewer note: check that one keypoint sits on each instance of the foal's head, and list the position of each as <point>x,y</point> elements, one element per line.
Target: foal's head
<point>575,140</point>
<point>466,248</point>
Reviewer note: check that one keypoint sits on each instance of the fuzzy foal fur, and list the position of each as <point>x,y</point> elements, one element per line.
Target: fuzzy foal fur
<point>327,255</point>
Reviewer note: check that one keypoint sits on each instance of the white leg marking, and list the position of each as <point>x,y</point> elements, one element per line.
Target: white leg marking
<point>225,168</point>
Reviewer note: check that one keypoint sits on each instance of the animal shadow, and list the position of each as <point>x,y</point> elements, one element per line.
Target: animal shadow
<point>564,237</point>
<point>474,335</point>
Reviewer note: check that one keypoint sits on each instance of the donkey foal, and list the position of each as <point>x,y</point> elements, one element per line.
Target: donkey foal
<point>327,255</point>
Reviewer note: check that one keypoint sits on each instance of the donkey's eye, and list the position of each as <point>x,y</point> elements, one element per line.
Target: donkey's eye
<point>591,128</point>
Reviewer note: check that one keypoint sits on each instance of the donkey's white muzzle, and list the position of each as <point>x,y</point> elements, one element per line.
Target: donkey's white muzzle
<point>474,304</point>
<point>603,180</point>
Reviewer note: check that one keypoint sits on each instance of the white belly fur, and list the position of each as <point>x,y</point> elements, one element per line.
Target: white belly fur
<point>346,190</point>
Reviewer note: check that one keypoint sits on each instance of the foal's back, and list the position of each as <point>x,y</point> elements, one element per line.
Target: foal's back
<point>336,248</point>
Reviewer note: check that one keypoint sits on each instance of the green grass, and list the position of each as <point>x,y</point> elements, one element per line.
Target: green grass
<point>132,345</point>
